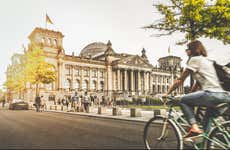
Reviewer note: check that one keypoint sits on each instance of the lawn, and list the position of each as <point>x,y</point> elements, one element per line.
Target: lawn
<point>148,107</point>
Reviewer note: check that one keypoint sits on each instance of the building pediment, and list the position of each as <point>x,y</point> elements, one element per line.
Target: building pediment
<point>134,60</point>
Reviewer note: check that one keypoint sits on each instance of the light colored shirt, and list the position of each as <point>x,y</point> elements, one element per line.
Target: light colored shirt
<point>204,73</point>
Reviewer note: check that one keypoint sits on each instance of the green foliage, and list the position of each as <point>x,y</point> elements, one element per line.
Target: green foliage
<point>33,69</point>
<point>195,18</point>
<point>138,101</point>
<point>37,70</point>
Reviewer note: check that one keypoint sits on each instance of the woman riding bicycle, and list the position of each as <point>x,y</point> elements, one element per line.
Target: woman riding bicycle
<point>210,91</point>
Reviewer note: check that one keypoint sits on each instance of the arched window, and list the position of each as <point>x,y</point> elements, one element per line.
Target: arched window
<point>67,84</point>
<point>49,86</point>
<point>85,85</point>
<point>55,43</point>
<point>77,84</point>
<point>94,85</point>
<point>43,40</point>
<point>101,86</point>
<point>49,41</point>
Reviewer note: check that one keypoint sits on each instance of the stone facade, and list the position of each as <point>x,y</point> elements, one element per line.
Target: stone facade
<point>100,70</point>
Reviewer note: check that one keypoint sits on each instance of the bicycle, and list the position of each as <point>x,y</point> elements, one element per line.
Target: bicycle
<point>173,126</point>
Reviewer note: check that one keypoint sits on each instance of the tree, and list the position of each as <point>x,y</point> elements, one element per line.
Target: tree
<point>195,18</point>
<point>37,70</point>
<point>16,80</point>
<point>31,68</point>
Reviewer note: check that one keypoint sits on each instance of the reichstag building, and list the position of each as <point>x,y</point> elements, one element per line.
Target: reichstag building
<point>100,70</point>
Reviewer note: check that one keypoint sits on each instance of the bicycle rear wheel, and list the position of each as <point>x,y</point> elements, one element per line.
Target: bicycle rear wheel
<point>220,137</point>
<point>160,133</point>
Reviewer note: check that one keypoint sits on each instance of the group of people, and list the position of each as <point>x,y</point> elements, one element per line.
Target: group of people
<point>79,102</point>
<point>76,102</point>
<point>39,103</point>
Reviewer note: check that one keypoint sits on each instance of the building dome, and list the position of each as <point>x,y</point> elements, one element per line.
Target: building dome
<point>93,49</point>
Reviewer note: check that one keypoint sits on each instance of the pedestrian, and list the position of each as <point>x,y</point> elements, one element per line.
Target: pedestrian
<point>103,100</point>
<point>59,101</point>
<point>76,101</point>
<point>43,104</point>
<point>86,102</point>
<point>3,103</point>
<point>37,103</point>
<point>67,102</point>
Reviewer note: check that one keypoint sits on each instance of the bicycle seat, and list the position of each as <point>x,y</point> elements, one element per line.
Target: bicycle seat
<point>222,108</point>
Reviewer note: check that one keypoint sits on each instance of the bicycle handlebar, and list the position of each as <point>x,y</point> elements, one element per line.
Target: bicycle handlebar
<point>168,99</point>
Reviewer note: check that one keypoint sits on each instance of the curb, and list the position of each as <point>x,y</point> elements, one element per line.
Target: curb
<point>98,116</point>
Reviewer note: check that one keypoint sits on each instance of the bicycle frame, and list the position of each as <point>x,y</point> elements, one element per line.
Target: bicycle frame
<point>211,124</point>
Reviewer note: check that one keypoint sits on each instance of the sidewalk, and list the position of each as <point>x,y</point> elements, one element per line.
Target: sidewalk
<point>108,114</point>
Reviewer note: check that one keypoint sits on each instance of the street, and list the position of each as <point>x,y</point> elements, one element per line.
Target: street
<point>31,130</point>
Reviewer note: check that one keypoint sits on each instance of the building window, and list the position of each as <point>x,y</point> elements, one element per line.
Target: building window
<point>85,85</point>
<point>101,74</point>
<point>94,73</point>
<point>67,84</point>
<point>167,80</point>
<point>77,72</point>
<point>55,42</point>
<point>86,73</point>
<point>101,86</point>
<point>163,89</point>
<point>77,84</point>
<point>158,89</point>
<point>49,41</point>
<point>94,85</point>
<point>51,98</point>
<point>67,70</point>
<point>159,79</point>
<point>43,40</point>
<point>154,78</point>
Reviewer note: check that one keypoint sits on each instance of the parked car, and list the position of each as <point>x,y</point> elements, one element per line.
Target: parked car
<point>18,104</point>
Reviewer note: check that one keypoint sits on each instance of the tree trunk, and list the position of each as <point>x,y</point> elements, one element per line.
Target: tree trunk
<point>37,89</point>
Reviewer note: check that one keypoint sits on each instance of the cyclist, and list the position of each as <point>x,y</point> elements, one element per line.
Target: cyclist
<point>210,92</point>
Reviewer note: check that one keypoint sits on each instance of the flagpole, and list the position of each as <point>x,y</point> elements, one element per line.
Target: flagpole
<point>46,21</point>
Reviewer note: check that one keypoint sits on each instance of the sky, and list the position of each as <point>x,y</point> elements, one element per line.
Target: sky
<point>86,21</point>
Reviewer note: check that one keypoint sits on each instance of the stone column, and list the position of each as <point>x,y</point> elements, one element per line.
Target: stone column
<point>89,79</point>
<point>81,78</point>
<point>139,80</point>
<point>114,80</point>
<point>118,79</point>
<point>98,79</point>
<point>121,79</point>
<point>60,70</point>
<point>131,80</point>
<point>145,82</point>
<point>156,83</point>
<point>150,83</point>
<point>72,77</point>
<point>125,80</point>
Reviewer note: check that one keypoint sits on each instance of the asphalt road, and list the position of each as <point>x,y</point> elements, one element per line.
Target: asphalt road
<point>32,130</point>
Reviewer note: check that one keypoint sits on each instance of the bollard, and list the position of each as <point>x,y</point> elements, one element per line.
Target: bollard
<point>50,107</point>
<point>55,107</point>
<point>156,112</point>
<point>134,112</point>
<point>101,110</point>
<point>116,111</point>
<point>62,108</point>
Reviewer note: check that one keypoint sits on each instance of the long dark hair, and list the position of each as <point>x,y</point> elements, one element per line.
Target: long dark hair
<point>197,48</point>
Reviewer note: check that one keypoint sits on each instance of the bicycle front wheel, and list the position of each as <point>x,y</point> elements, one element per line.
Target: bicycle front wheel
<point>219,138</point>
<point>160,133</point>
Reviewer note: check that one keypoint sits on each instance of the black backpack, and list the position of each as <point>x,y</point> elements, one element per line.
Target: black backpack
<point>223,73</point>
